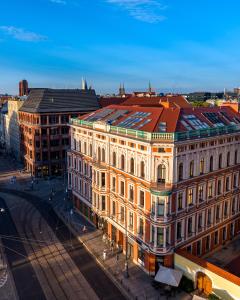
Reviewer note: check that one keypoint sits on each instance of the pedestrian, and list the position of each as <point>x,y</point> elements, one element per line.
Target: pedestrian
<point>117,256</point>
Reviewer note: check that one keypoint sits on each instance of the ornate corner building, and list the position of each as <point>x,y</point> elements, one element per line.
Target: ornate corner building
<point>158,178</point>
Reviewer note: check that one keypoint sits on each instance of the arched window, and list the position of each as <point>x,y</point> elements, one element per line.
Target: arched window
<point>228,159</point>
<point>85,148</point>
<point>103,155</point>
<point>114,159</point>
<point>99,154</point>
<point>191,169</point>
<point>211,164</point>
<point>132,166</point>
<point>142,169</point>
<point>180,172</point>
<point>220,161</point>
<point>122,162</point>
<point>161,174</point>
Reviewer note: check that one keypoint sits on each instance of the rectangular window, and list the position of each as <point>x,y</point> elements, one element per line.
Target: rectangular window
<point>160,207</point>
<point>103,180</point>
<point>190,197</point>
<point>210,190</point>
<point>103,203</point>
<point>235,180</point>
<point>224,234</point>
<point>114,184</point>
<point>225,209</point>
<point>131,220</point>
<point>199,248</point>
<point>215,237</point>
<point>141,198</point>
<point>114,208</point>
<point>179,230</point>
<point>122,214</point>
<point>140,228</point>
<point>180,201</point>
<point>208,244</point>
<point>160,235</point>
<point>122,188</point>
<point>200,219</point>
<point>209,217</point>
<point>217,213</point>
<point>200,193</point>
<point>190,226</point>
<point>131,193</point>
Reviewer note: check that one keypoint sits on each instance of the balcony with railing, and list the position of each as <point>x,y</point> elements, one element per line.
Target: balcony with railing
<point>157,136</point>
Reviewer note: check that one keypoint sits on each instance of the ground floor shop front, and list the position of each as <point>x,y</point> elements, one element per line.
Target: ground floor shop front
<point>119,238</point>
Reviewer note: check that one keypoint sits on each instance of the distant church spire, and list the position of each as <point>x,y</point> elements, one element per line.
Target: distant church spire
<point>149,87</point>
<point>121,89</point>
<point>84,84</point>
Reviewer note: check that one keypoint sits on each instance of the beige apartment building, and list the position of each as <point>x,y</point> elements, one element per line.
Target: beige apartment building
<point>158,179</point>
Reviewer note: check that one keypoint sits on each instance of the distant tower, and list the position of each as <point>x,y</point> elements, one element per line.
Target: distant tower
<point>84,84</point>
<point>149,87</point>
<point>121,90</point>
<point>23,88</point>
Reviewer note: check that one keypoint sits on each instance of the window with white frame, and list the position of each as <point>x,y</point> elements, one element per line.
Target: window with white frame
<point>190,226</point>
<point>179,230</point>
<point>131,192</point>
<point>160,236</point>
<point>122,188</point>
<point>190,197</point>
<point>140,227</point>
<point>122,214</point>
<point>103,203</point>
<point>141,198</point>
<point>180,201</point>
<point>201,193</point>
<point>130,220</point>
<point>200,221</point>
<point>113,184</point>
<point>114,208</point>
<point>210,189</point>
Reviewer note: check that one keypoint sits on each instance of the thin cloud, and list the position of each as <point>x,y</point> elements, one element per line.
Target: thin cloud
<point>149,11</point>
<point>58,2</point>
<point>22,35</point>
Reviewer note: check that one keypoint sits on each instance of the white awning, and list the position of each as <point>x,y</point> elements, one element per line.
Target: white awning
<point>169,276</point>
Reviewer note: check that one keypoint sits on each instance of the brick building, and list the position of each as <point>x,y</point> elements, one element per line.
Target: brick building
<point>23,88</point>
<point>158,178</point>
<point>44,129</point>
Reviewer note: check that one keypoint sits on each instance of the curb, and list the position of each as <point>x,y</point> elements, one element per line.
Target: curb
<point>118,285</point>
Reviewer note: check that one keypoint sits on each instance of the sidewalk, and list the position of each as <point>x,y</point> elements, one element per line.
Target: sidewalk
<point>138,285</point>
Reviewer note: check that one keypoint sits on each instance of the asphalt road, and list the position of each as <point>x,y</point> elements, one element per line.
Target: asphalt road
<point>25,278</point>
<point>26,282</point>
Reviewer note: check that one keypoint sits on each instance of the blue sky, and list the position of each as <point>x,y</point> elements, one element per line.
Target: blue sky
<point>177,45</point>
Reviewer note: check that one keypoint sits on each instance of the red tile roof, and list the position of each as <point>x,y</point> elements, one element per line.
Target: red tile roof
<point>161,119</point>
<point>177,101</point>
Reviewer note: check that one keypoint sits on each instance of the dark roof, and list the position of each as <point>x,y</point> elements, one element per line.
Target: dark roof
<point>60,100</point>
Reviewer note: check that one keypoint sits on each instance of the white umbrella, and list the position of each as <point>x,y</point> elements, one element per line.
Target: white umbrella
<point>169,276</point>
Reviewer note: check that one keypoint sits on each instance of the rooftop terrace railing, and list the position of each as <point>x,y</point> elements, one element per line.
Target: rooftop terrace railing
<point>159,136</point>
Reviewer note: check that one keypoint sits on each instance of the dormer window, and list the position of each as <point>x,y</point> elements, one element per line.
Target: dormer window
<point>162,127</point>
